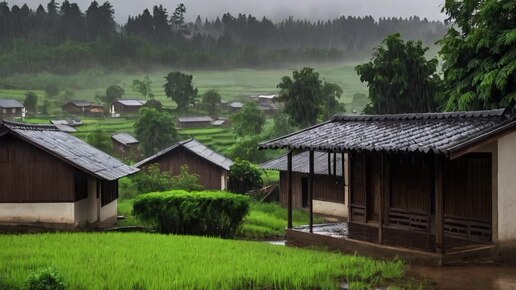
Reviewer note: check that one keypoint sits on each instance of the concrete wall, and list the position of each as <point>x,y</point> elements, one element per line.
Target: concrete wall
<point>108,214</point>
<point>86,209</point>
<point>54,213</point>
<point>330,208</point>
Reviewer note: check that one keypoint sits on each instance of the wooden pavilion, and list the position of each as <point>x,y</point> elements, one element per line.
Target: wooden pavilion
<point>439,187</point>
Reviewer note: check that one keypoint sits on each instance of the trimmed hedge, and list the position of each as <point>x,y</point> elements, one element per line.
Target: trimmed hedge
<point>205,213</point>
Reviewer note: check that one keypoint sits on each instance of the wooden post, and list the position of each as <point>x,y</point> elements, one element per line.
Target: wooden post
<point>382,195</point>
<point>329,170</point>
<point>334,166</point>
<point>439,204</point>
<point>311,191</point>
<point>289,188</point>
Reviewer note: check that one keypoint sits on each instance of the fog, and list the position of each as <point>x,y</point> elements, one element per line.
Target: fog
<point>274,9</point>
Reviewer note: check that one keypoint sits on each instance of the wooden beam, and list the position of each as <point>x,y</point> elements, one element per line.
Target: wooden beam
<point>439,204</point>
<point>382,195</point>
<point>334,166</point>
<point>289,189</point>
<point>311,191</point>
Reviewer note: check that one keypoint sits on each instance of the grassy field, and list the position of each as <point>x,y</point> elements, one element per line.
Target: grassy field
<point>152,261</point>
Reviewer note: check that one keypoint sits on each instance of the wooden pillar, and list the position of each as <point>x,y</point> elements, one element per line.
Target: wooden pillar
<point>382,196</point>
<point>439,204</point>
<point>311,190</point>
<point>344,178</point>
<point>334,166</point>
<point>289,188</point>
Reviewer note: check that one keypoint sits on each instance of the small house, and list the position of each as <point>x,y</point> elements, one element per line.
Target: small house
<point>195,122</point>
<point>126,107</point>
<point>126,146</point>
<point>329,195</point>
<point>76,107</point>
<point>236,106</point>
<point>435,188</point>
<point>10,109</point>
<point>52,179</point>
<point>211,166</point>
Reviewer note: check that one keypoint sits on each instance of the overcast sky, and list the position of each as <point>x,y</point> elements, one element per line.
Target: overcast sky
<point>273,9</point>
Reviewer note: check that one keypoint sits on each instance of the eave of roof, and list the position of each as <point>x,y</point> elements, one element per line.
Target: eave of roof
<point>300,163</point>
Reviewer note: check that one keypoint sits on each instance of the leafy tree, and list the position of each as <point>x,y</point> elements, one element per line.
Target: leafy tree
<point>247,148</point>
<point>249,121</point>
<point>154,104</point>
<point>155,129</point>
<point>179,88</point>
<point>144,87</point>
<point>178,18</point>
<point>479,55</point>
<point>113,93</point>
<point>51,90</point>
<point>46,106</point>
<point>186,180</point>
<point>31,102</point>
<point>282,126</point>
<point>331,93</point>
<point>400,78</point>
<point>99,140</point>
<point>306,98</point>
<point>211,102</point>
<point>243,177</point>
<point>152,179</point>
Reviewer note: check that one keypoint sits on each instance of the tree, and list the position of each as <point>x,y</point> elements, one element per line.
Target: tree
<point>305,96</point>
<point>247,148</point>
<point>113,93</point>
<point>282,126</point>
<point>331,93</point>
<point>179,88</point>
<point>178,18</point>
<point>211,102</point>
<point>31,102</point>
<point>249,121</point>
<point>152,179</point>
<point>243,177</point>
<point>478,52</point>
<point>99,140</point>
<point>144,87</point>
<point>186,180</point>
<point>155,129</point>
<point>51,90</point>
<point>400,78</point>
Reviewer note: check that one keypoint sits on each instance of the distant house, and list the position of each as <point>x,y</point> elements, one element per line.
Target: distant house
<point>236,106</point>
<point>126,107</point>
<point>76,107</point>
<point>11,109</point>
<point>211,167</point>
<point>329,187</point>
<point>195,122</point>
<point>50,178</point>
<point>126,146</point>
<point>72,122</point>
<point>221,122</point>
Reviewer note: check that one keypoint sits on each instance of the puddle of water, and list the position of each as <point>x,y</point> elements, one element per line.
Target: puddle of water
<point>467,277</point>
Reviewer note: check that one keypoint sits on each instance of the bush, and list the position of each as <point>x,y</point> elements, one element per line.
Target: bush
<point>152,179</point>
<point>206,213</point>
<point>47,279</point>
<point>243,177</point>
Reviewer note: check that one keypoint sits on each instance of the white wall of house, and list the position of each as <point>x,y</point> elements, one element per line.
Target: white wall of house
<point>507,190</point>
<point>86,209</point>
<point>49,212</point>
<point>330,208</point>
<point>108,214</point>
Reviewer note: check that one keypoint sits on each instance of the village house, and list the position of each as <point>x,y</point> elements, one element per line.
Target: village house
<point>195,122</point>
<point>126,107</point>
<point>211,167</point>
<point>435,188</point>
<point>76,107</point>
<point>329,191</point>
<point>126,146</point>
<point>10,109</point>
<point>235,107</point>
<point>51,179</point>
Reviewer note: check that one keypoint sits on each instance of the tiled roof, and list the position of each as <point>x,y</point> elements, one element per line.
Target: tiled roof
<point>300,163</point>
<point>195,147</point>
<point>195,119</point>
<point>71,150</point>
<point>79,103</point>
<point>236,105</point>
<point>10,103</point>
<point>441,133</point>
<point>132,102</point>
<point>125,138</point>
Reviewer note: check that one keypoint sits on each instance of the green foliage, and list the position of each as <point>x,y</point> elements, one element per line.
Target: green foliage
<point>99,140</point>
<point>179,88</point>
<point>243,177</point>
<point>400,78</point>
<point>144,87</point>
<point>186,180</point>
<point>155,104</point>
<point>282,126</point>
<point>51,90</point>
<point>479,55</point>
<point>46,106</point>
<point>306,98</point>
<point>31,102</point>
<point>249,121</point>
<point>113,93</point>
<point>155,130</point>
<point>211,102</point>
<point>206,213</point>
<point>152,179</point>
<point>49,278</point>
<point>247,149</point>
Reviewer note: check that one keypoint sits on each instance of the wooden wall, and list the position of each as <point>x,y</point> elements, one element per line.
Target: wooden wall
<point>9,113</point>
<point>326,188</point>
<point>28,174</point>
<point>122,109</point>
<point>209,173</point>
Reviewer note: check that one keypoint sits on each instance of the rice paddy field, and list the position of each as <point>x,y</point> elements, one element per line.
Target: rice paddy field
<point>153,261</point>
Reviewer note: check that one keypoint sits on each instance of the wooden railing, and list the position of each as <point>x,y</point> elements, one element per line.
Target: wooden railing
<point>467,228</point>
<point>409,219</point>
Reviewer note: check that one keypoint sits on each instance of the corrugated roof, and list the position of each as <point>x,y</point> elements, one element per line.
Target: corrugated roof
<point>442,133</point>
<point>10,103</point>
<point>236,105</point>
<point>195,147</point>
<point>132,102</point>
<point>125,138</point>
<point>65,128</point>
<point>79,103</point>
<point>71,150</point>
<point>300,163</point>
<point>195,119</point>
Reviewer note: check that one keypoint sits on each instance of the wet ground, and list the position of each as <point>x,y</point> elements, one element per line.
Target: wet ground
<point>484,277</point>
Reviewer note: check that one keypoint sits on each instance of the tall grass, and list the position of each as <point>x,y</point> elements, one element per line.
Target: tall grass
<point>152,261</point>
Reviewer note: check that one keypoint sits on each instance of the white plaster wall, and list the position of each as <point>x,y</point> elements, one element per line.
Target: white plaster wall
<point>59,212</point>
<point>108,213</point>
<point>507,188</point>
<point>330,208</point>
<point>86,209</point>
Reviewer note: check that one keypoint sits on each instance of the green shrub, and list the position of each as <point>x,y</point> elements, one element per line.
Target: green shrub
<point>207,213</point>
<point>152,179</point>
<point>243,177</point>
<point>46,279</point>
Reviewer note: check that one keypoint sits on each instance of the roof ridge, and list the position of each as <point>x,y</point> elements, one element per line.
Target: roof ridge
<point>19,125</point>
<point>418,116</point>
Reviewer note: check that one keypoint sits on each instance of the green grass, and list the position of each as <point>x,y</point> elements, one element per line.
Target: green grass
<point>153,261</point>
